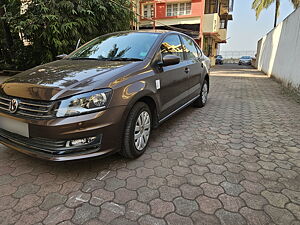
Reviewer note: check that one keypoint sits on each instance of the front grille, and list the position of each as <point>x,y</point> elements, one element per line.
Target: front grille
<point>27,108</point>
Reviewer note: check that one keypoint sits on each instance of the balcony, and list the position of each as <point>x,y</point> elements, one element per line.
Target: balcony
<point>211,27</point>
<point>211,23</point>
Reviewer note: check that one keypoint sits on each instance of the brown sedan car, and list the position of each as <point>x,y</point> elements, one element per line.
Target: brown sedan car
<point>105,97</point>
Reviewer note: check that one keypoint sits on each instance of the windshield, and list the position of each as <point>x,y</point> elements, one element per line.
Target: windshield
<point>124,46</point>
<point>246,57</point>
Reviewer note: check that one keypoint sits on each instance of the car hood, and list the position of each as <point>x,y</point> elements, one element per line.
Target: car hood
<point>64,78</point>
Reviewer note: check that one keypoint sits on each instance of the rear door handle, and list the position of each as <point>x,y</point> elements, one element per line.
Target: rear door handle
<point>186,70</point>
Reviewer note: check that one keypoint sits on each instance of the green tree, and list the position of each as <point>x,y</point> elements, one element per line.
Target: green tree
<point>53,27</point>
<point>8,9</point>
<point>259,5</point>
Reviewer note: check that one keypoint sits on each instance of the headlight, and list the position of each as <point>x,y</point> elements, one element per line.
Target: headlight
<point>83,103</point>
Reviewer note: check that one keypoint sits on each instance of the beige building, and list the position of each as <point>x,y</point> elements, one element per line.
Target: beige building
<point>215,22</point>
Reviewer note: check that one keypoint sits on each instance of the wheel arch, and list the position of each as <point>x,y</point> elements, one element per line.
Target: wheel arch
<point>150,100</point>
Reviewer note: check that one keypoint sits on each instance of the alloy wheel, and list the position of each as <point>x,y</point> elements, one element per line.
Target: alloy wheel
<point>204,93</point>
<point>142,130</point>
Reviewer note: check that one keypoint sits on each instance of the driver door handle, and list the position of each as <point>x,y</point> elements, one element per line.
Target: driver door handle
<point>186,70</point>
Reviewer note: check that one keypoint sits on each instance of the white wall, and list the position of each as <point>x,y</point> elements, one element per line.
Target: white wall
<point>278,53</point>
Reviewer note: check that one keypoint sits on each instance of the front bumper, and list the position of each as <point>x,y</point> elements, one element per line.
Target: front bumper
<point>48,138</point>
<point>245,62</point>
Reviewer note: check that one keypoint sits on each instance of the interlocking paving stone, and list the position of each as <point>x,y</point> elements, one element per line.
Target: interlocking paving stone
<point>149,220</point>
<point>235,161</point>
<point>136,209</point>
<point>208,205</point>
<point>201,218</point>
<point>232,189</point>
<point>295,209</point>
<point>255,217</point>
<point>230,203</point>
<point>275,199</point>
<point>175,219</point>
<point>146,194</point>
<point>52,200</point>
<point>85,212</point>
<point>254,201</point>
<point>185,207</point>
<point>279,216</point>
<point>230,218</point>
<point>160,208</point>
<point>169,193</point>
<point>26,189</point>
<point>100,196</point>
<point>77,198</point>
<point>190,192</point>
<point>211,190</point>
<point>58,214</point>
<point>110,211</point>
<point>252,187</point>
<point>32,216</point>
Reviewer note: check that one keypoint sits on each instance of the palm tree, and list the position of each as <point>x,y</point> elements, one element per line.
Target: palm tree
<point>259,5</point>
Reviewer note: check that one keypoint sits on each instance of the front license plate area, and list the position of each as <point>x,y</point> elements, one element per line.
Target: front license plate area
<point>14,126</point>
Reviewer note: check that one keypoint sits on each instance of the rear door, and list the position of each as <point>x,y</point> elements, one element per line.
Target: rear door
<point>173,81</point>
<point>195,65</point>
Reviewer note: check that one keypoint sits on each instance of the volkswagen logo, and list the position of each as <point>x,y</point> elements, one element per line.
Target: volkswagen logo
<point>13,105</point>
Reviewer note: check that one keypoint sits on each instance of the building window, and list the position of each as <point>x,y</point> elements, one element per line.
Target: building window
<point>223,24</point>
<point>212,6</point>
<point>177,9</point>
<point>148,10</point>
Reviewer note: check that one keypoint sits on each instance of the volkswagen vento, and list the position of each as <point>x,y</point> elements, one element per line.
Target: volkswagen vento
<point>105,97</point>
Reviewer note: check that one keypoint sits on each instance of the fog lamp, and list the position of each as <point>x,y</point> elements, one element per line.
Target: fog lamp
<point>80,142</point>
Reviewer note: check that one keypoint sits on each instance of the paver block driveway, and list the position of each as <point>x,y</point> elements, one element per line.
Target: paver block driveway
<point>235,161</point>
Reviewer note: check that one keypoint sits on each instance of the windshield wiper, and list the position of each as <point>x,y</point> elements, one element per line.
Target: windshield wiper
<point>124,59</point>
<point>107,59</point>
<point>85,58</point>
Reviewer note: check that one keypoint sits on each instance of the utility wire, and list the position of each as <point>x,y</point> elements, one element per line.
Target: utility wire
<point>137,14</point>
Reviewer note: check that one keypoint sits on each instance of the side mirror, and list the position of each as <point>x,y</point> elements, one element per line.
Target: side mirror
<point>59,57</point>
<point>169,60</point>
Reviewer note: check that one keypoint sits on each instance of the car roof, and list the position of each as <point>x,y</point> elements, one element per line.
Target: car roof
<point>155,31</point>
<point>152,31</point>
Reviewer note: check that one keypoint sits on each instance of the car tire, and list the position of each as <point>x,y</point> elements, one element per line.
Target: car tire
<point>137,131</point>
<point>201,101</point>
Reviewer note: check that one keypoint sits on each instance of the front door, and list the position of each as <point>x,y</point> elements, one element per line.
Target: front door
<point>174,79</point>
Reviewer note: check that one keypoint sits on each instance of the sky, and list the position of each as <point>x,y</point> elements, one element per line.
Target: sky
<point>244,31</point>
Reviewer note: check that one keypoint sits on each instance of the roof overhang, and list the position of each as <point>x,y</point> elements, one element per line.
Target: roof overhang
<point>226,16</point>
<point>215,36</point>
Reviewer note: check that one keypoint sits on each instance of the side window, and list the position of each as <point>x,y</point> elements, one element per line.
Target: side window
<point>190,48</point>
<point>172,46</point>
<point>200,53</point>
